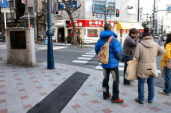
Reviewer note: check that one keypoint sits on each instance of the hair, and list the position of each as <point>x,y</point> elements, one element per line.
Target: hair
<point>107,26</point>
<point>168,39</point>
<point>147,32</point>
<point>133,31</point>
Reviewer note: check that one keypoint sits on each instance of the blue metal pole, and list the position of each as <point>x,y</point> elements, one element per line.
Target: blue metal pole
<point>50,56</point>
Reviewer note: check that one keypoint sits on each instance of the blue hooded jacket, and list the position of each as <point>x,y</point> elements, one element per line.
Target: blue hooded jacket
<point>115,50</point>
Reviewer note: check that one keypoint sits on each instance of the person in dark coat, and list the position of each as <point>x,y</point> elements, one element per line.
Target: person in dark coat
<point>129,50</point>
<point>115,53</point>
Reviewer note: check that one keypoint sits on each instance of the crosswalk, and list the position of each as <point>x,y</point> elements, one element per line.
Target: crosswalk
<point>2,46</point>
<point>87,57</point>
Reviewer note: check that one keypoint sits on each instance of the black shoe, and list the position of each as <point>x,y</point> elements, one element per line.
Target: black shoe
<point>106,95</point>
<point>127,82</point>
<point>150,102</point>
<point>138,101</point>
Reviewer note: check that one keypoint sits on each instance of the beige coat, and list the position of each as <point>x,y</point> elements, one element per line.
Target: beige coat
<point>146,52</point>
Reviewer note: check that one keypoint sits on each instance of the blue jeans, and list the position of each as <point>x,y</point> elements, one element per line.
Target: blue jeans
<point>167,78</point>
<point>150,82</point>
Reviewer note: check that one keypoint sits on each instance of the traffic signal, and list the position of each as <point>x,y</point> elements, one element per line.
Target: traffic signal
<point>20,9</point>
<point>117,12</point>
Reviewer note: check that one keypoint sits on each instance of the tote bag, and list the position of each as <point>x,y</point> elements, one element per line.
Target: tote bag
<point>131,70</point>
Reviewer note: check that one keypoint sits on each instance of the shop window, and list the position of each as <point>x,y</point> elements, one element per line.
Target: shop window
<point>92,33</point>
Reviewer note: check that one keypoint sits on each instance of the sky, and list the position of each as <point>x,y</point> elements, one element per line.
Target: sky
<point>148,4</point>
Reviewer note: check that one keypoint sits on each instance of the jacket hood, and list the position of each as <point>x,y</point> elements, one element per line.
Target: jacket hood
<point>148,42</point>
<point>106,34</point>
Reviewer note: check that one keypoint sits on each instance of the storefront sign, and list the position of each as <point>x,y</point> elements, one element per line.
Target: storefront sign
<point>89,23</point>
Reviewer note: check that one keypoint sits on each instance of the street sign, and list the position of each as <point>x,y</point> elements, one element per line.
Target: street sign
<point>103,7</point>
<point>4,4</point>
<point>68,4</point>
<point>61,6</point>
<point>111,8</point>
<point>99,7</point>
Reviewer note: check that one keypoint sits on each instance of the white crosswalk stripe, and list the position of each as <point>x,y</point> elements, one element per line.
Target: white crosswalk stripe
<point>80,61</point>
<point>91,56</point>
<point>121,67</point>
<point>85,58</point>
<point>90,53</point>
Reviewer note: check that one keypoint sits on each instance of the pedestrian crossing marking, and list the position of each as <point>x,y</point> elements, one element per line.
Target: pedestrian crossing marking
<point>88,56</point>
<point>84,58</point>
<point>92,53</point>
<point>80,61</point>
<point>121,64</point>
<point>121,68</point>
<point>54,48</point>
<point>158,71</point>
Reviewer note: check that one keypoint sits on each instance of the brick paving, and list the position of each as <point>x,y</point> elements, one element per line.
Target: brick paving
<point>21,88</point>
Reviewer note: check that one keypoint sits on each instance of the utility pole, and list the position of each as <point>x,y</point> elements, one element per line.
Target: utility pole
<point>1,21</point>
<point>138,13</point>
<point>35,18</point>
<point>154,18</point>
<point>105,12</point>
<point>50,56</point>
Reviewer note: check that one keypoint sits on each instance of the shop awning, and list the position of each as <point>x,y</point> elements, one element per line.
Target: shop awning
<point>127,26</point>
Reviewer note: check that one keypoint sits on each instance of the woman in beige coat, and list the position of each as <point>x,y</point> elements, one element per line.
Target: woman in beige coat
<point>146,52</point>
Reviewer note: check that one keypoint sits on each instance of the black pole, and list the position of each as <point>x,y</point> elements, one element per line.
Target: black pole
<point>50,57</point>
<point>138,13</point>
<point>154,11</point>
<point>105,13</point>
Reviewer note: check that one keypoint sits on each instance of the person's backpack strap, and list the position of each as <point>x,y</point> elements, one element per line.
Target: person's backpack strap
<point>110,39</point>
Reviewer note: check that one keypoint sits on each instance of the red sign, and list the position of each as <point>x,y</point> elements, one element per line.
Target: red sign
<point>88,23</point>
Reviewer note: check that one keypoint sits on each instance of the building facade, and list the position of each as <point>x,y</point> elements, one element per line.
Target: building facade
<point>89,18</point>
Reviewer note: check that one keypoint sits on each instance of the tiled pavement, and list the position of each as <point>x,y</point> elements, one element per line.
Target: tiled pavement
<point>21,88</point>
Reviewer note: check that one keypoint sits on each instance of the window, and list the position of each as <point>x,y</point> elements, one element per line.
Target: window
<point>92,33</point>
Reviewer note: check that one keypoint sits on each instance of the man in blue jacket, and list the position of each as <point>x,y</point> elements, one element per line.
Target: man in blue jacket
<point>115,52</point>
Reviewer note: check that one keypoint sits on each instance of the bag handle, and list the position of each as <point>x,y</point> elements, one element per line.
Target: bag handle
<point>110,39</point>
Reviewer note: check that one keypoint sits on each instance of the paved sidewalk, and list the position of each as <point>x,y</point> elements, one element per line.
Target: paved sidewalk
<point>21,88</point>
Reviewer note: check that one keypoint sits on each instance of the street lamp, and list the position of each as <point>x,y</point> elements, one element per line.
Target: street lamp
<point>50,56</point>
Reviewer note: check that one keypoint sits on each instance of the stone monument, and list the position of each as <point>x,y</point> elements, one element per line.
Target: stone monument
<point>20,46</point>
